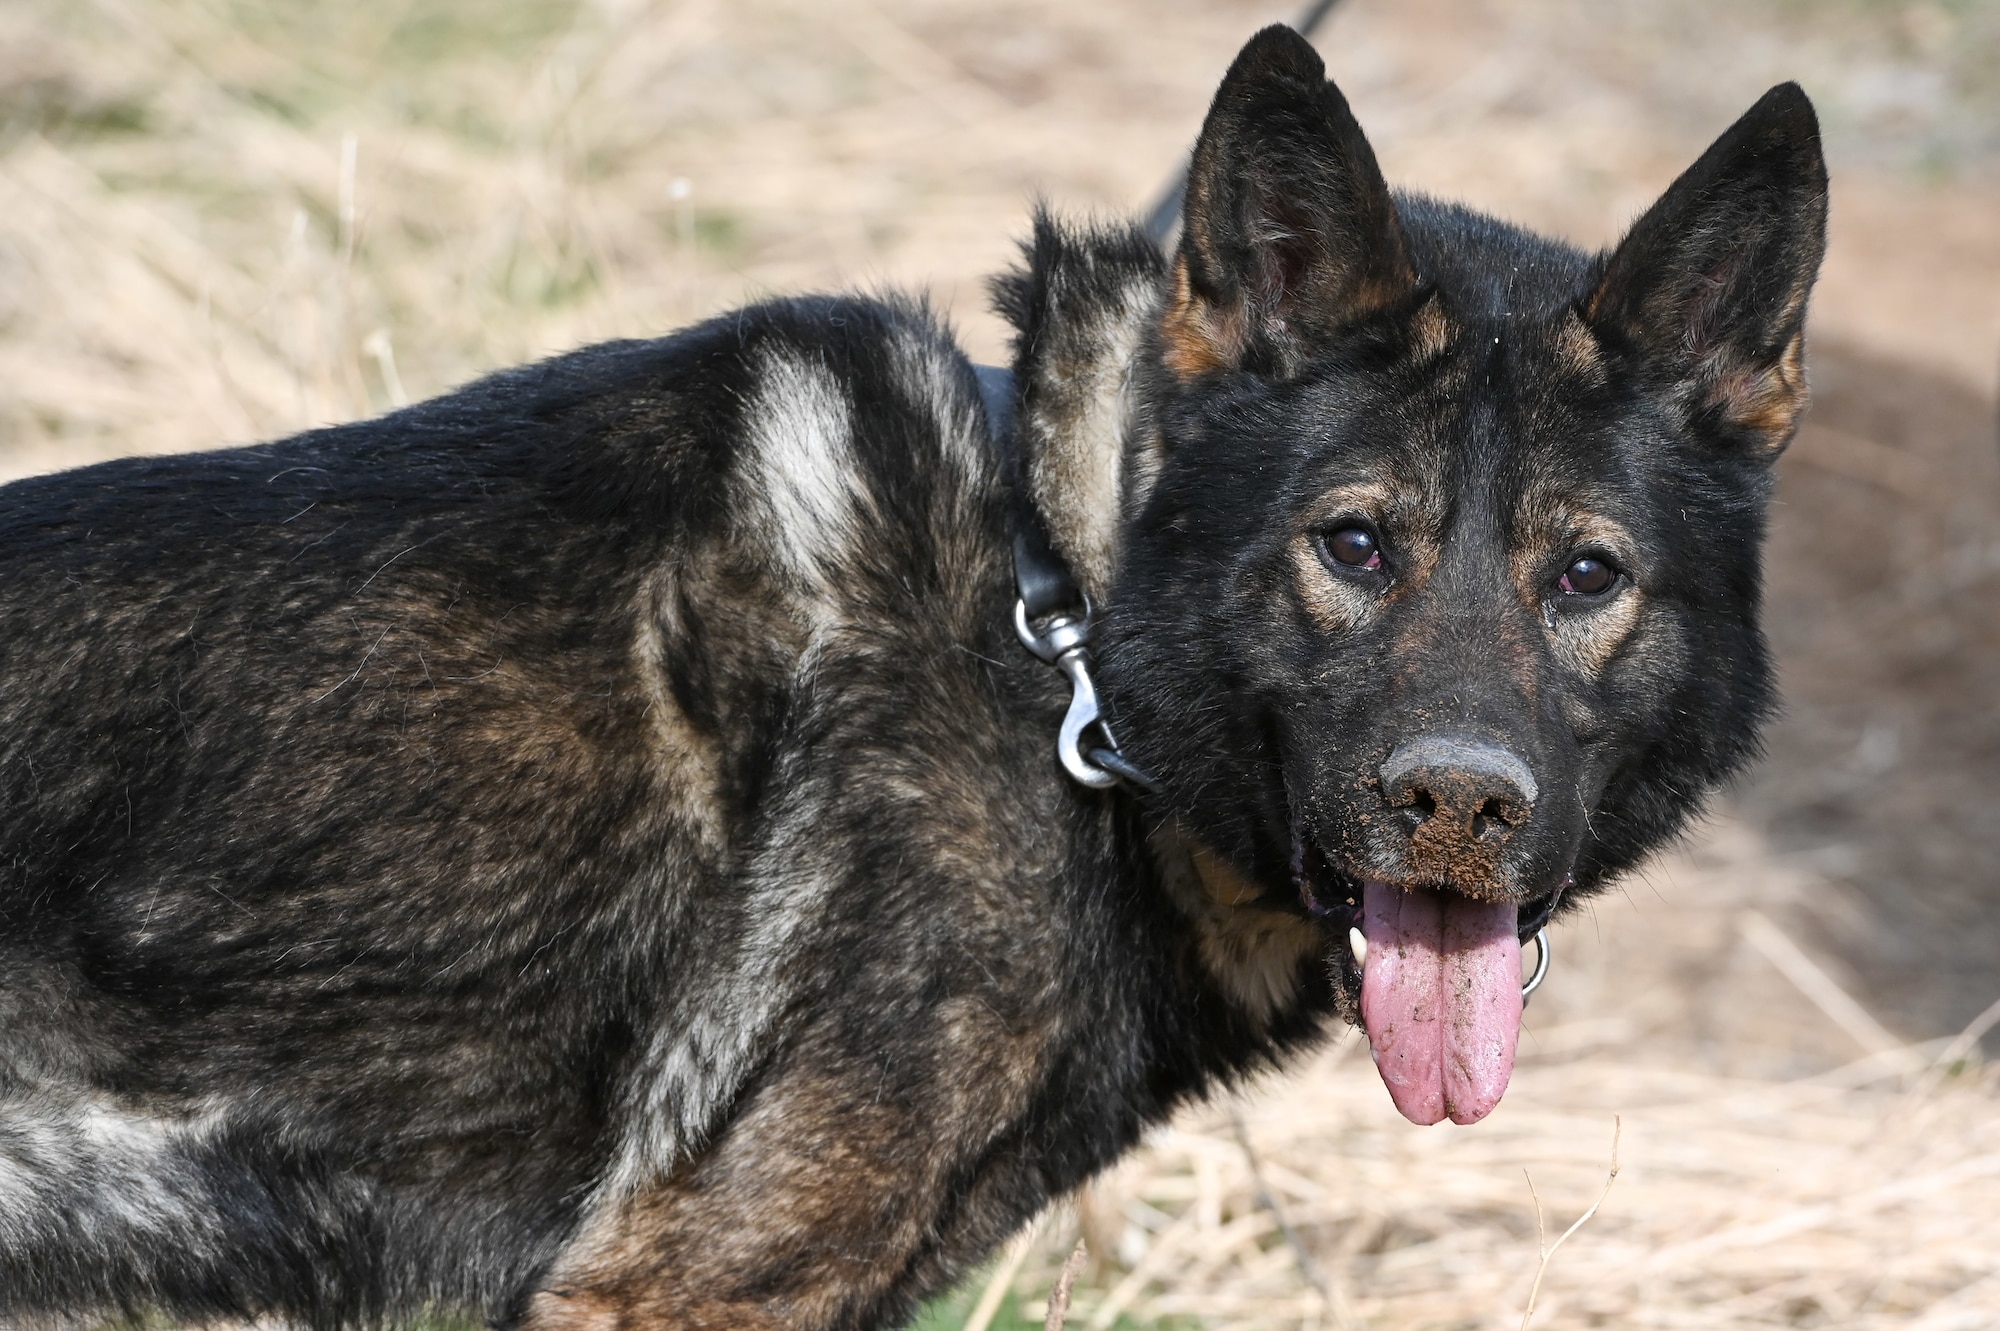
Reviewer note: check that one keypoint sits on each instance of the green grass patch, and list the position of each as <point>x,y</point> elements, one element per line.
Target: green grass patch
<point>949,1313</point>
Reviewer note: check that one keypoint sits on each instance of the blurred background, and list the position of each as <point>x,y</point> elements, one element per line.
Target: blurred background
<point>223,220</point>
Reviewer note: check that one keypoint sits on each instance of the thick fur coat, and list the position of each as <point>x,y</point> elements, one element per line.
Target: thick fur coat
<point>587,851</point>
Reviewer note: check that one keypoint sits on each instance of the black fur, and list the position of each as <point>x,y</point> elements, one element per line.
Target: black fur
<point>588,849</point>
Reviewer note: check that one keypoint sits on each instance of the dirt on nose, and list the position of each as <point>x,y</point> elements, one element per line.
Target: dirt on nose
<point>1445,847</point>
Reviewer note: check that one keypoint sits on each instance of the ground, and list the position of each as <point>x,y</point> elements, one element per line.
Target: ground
<point>222,220</point>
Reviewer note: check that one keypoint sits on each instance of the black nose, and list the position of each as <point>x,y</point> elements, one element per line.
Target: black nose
<point>1465,786</point>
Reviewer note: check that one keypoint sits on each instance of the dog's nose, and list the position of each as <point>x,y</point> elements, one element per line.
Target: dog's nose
<point>1474,788</point>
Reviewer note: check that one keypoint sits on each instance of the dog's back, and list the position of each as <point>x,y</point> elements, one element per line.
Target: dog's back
<point>408,822</point>
<point>589,851</point>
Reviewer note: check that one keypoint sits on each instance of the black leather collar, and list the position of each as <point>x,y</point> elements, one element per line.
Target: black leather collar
<point>1052,616</point>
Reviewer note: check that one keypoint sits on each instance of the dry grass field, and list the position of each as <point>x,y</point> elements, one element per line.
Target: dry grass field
<point>222,220</point>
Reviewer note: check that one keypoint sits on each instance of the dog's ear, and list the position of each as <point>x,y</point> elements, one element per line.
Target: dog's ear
<point>1709,288</point>
<point>1288,235</point>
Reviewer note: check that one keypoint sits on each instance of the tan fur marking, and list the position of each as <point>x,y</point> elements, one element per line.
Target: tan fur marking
<point>1431,330</point>
<point>1374,498</point>
<point>1144,463</point>
<point>1251,952</point>
<point>1195,338</point>
<point>1548,527</point>
<point>1411,521</point>
<point>565,1310</point>
<point>1578,349</point>
<point>1226,887</point>
<point>808,1204</point>
<point>1585,641</point>
<point>1255,955</point>
<point>1769,400</point>
<point>1083,411</point>
<point>1333,605</point>
<point>689,762</point>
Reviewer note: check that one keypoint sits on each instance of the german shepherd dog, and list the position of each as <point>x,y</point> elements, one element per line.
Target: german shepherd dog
<point>591,851</point>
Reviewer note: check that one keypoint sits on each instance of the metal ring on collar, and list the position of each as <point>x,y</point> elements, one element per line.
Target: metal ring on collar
<point>1541,965</point>
<point>1066,631</point>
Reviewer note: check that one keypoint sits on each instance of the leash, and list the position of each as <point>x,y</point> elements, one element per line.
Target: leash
<point>1166,213</point>
<point>1055,620</point>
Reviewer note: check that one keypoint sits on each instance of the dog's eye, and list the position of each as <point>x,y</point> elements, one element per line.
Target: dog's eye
<point>1588,576</point>
<point>1353,546</point>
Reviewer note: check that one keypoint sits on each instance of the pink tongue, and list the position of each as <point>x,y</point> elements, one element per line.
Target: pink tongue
<point>1441,998</point>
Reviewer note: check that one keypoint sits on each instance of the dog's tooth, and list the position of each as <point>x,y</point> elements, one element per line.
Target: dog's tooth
<point>1359,943</point>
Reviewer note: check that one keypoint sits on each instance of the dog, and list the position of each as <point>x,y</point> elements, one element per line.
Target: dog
<point>593,850</point>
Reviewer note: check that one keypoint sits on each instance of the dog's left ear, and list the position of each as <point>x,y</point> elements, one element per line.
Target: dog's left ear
<point>1709,288</point>
<point>1288,236</point>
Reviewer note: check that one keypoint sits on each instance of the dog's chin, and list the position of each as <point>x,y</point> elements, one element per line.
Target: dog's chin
<point>1332,892</point>
<point>1432,971</point>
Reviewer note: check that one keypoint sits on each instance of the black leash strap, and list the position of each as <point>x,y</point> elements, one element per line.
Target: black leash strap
<point>1052,616</point>
<point>1165,214</point>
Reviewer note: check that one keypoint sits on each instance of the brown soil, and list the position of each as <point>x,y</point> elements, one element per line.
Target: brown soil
<point>1885,609</point>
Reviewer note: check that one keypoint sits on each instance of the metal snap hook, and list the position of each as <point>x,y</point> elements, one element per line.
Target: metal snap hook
<point>1066,631</point>
<point>1064,642</point>
<point>1083,714</point>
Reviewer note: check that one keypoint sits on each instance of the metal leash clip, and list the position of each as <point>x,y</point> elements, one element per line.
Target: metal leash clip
<point>1064,642</point>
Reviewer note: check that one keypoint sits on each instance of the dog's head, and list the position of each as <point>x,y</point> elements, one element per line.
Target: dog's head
<point>1435,595</point>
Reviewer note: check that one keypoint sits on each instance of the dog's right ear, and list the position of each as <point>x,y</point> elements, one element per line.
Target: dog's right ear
<point>1288,235</point>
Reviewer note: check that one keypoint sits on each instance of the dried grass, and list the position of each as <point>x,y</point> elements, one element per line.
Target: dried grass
<point>1739,1204</point>
<point>1773,1167</point>
<point>222,220</point>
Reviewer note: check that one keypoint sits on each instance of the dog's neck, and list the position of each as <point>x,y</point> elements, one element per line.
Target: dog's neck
<point>1083,449</point>
<point>1085,308</point>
